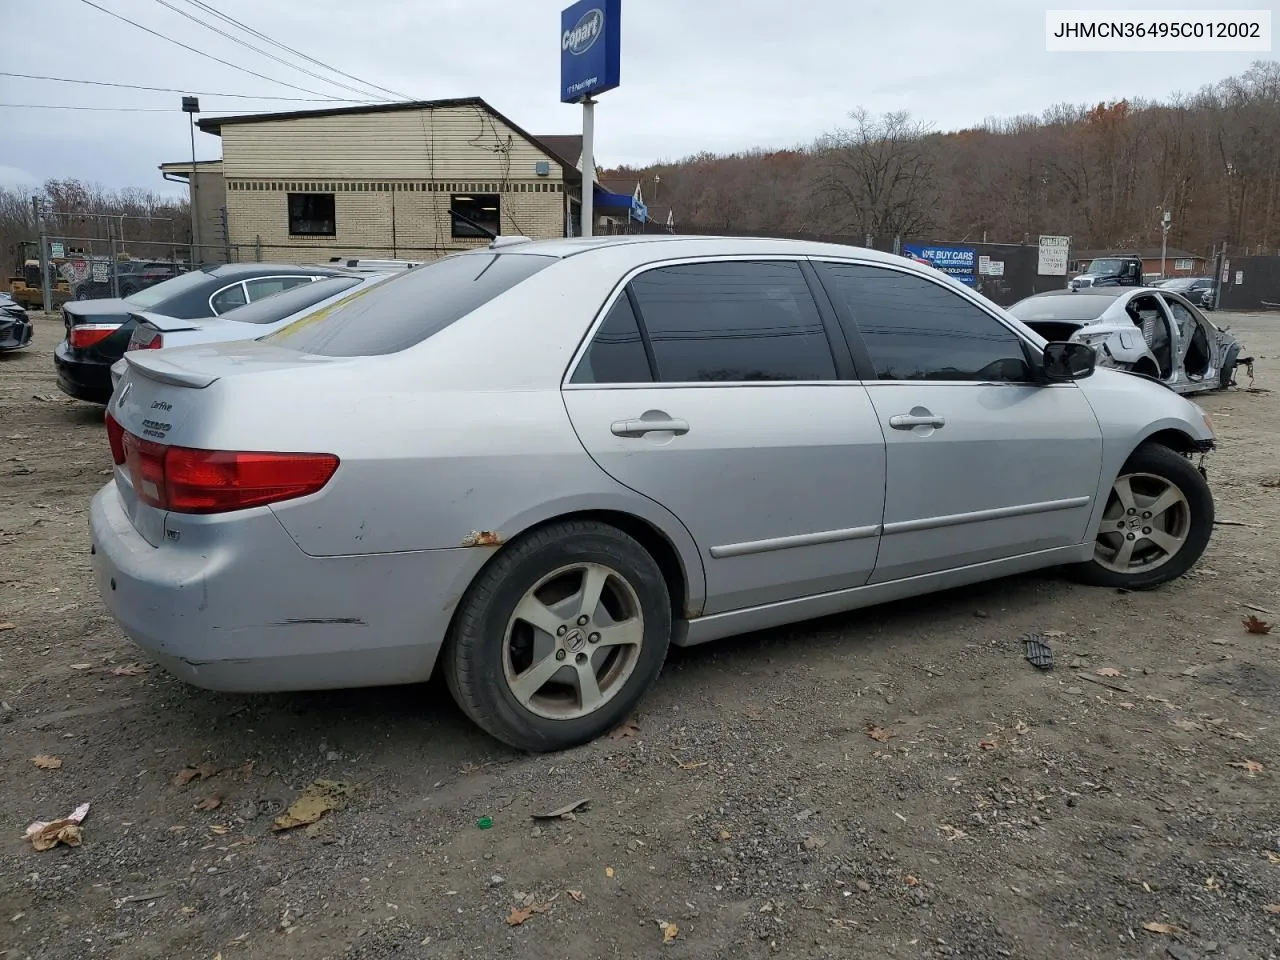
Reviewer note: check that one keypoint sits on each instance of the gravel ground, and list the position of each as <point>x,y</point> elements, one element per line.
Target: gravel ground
<point>1003,812</point>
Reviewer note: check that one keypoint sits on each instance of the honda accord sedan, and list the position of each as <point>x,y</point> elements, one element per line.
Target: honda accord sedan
<point>536,466</point>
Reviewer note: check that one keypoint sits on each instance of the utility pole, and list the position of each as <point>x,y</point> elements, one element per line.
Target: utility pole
<point>588,165</point>
<point>46,289</point>
<point>191,106</point>
<point>1164,240</point>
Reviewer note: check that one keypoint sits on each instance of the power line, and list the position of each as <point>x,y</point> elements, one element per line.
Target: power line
<point>270,56</point>
<point>210,56</point>
<point>199,93</point>
<point>59,106</point>
<point>297,53</point>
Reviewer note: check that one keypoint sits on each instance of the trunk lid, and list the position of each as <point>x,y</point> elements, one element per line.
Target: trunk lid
<point>164,323</point>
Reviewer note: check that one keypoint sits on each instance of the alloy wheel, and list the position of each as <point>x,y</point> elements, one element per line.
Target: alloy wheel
<point>573,641</point>
<point>1146,522</point>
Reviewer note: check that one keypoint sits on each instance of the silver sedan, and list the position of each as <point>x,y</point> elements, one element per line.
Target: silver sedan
<point>536,466</point>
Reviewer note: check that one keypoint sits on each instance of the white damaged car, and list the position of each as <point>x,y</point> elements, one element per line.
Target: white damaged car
<point>1156,333</point>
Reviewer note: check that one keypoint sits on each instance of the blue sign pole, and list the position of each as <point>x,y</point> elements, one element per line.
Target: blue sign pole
<point>590,59</point>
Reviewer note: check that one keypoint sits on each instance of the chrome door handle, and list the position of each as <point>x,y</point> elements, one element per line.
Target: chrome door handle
<point>639,427</point>
<point>904,421</point>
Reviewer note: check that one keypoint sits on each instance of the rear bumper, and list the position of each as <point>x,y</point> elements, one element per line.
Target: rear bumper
<point>15,333</point>
<point>233,604</point>
<point>82,379</point>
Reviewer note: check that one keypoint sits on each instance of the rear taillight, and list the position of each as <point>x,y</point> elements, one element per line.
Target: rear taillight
<point>216,481</point>
<point>87,334</point>
<point>115,437</point>
<point>145,338</point>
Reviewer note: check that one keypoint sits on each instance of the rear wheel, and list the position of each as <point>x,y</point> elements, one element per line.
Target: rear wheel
<point>559,636</point>
<point>1156,523</point>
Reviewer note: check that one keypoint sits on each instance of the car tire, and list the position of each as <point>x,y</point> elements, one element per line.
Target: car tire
<point>1164,542</point>
<point>1227,375</point>
<point>531,687</point>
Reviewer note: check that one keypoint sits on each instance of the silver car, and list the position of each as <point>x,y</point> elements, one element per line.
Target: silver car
<point>536,466</point>
<point>1154,332</point>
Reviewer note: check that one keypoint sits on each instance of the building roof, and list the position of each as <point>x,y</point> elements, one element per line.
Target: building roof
<point>567,145</point>
<point>182,168</point>
<point>1143,253</point>
<point>214,125</point>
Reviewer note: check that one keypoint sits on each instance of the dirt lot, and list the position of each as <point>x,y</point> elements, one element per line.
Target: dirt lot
<point>1012,813</point>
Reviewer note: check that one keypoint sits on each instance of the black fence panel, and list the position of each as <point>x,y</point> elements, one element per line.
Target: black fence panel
<point>1258,287</point>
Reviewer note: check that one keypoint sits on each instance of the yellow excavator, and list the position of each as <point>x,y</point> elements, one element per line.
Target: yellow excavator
<point>28,291</point>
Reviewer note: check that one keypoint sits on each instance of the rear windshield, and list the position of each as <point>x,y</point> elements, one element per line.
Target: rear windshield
<point>285,304</point>
<point>408,308</point>
<point>1075,306</point>
<point>148,298</point>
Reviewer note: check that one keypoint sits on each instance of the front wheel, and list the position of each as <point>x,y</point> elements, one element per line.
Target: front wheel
<point>1156,523</point>
<point>559,637</point>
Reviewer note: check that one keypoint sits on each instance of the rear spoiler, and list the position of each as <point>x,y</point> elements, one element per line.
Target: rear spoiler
<point>163,323</point>
<point>154,367</point>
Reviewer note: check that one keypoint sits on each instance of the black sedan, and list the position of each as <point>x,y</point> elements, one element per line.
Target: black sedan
<point>1199,290</point>
<point>98,331</point>
<point>15,326</point>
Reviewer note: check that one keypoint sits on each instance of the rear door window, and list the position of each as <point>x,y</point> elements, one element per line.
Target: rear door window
<point>265,287</point>
<point>733,321</point>
<point>410,307</point>
<point>228,298</point>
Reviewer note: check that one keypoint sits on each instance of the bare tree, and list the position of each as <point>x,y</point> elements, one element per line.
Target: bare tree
<point>879,173</point>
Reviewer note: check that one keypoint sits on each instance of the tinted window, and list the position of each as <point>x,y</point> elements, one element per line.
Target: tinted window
<point>228,299</point>
<point>616,353</point>
<point>733,321</point>
<point>146,299</point>
<point>270,286</point>
<point>291,301</point>
<point>408,308</point>
<point>918,330</point>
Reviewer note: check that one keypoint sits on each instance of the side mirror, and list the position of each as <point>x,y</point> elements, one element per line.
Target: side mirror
<point>1068,361</point>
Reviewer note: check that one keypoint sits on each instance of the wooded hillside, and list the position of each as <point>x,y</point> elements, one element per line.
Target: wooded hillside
<point>1101,174</point>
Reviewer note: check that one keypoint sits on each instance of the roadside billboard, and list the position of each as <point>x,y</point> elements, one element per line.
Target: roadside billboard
<point>958,262</point>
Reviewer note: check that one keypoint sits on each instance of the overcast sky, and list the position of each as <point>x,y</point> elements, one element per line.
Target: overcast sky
<point>716,75</point>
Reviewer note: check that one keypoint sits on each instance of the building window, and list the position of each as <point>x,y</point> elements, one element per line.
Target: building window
<point>311,215</point>
<point>480,208</point>
<point>1183,264</point>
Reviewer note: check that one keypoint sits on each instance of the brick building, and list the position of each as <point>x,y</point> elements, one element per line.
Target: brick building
<point>404,180</point>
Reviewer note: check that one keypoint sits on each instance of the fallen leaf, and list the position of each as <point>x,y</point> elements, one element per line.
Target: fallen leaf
<point>46,762</point>
<point>1151,926</point>
<point>691,765</point>
<point>577,896</point>
<point>316,800</point>
<point>608,872</point>
<point>8,626</point>
<point>81,666</point>
<point>1272,908</point>
<point>131,670</point>
<point>203,772</point>
<point>563,811</point>
<point>724,836</point>
<point>211,802</point>
<point>911,880</point>
<point>1273,857</point>
<point>628,728</point>
<point>518,915</point>
<point>1252,766</point>
<point>669,932</point>
<point>1108,672</point>
<point>47,835</point>
<point>1253,625</point>
<point>879,733</point>
<point>219,829</point>
<point>988,744</point>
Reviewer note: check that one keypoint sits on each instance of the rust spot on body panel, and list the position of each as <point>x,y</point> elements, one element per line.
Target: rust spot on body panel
<point>482,538</point>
